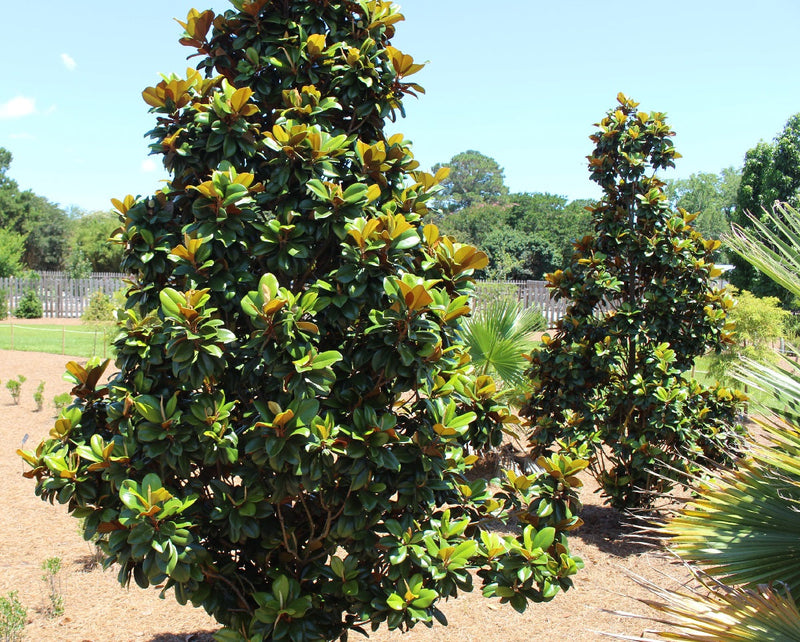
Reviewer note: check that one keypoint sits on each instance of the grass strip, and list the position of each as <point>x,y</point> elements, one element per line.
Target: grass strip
<point>91,340</point>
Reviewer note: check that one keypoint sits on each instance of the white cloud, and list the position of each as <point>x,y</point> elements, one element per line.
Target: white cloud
<point>17,107</point>
<point>69,61</point>
<point>149,165</point>
<point>21,136</point>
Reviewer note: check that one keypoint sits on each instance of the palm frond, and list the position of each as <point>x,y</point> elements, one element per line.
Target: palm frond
<point>743,526</point>
<point>718,613</point>
<point>499,335</point>
<point>775,252</point>
<point>780,386</point>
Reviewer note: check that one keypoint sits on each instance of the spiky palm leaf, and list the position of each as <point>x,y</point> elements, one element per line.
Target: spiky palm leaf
<point>779,383</point>
<point>743,525</point>
<point>775,252</point>
<point>499,335</point>
<point>715,612</point>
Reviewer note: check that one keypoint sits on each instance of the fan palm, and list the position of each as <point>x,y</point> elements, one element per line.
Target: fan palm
<point>499,336</point>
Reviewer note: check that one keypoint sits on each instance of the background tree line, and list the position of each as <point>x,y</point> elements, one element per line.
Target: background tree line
<point>37,235</point>
<point>527,235</point>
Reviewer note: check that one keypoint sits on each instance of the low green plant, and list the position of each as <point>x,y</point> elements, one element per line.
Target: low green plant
<point>499,336</point>
<point>15,387</point>
<point>100,309</point>
<point>52,567</point>
<point>760,321</point>
<point>61,401</point>
<point>12,618</point>
<point>38,396</point>
<point>30,306</point>
<point>3,304</point>
<point>78,265</point>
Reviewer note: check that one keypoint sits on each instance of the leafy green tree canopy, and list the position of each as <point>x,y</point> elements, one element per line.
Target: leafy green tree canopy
<point>525,237</point>
<point>90,235</point>
<point>12,247</point>
<point>712,196</point>
<point>473,178</point>
<point>551,220</point>
<point>43,224</point>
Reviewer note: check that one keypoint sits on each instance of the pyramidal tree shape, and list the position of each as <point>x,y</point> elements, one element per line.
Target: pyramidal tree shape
<point>286,440</point>
<point>614,378</point>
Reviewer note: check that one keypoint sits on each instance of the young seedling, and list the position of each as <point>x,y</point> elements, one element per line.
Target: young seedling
<point>38,396</point>
<point>12,618</point>
<point>52,567</point>
<point>15,387</point>
<point>61,401</point>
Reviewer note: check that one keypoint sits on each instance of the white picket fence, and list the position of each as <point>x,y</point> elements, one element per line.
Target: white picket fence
<point>61,296</point>
<point>64,297</point>
<point>529,293</point>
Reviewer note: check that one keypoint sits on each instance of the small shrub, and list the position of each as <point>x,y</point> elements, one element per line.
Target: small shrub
<point>30,306</point>
<point>38,396</point>
<point>3,304</point>
<point>52,567</point>
<point>15,387</point>
<point>100,309</point>
<point>78,265</point>
<point>760,321</point>
<point>12,618</point>
<point>61,401</point>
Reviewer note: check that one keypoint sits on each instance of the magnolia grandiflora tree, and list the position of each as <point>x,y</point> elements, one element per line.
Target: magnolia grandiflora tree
<point>741,526</point>
<point>642,307</point>
<point>286,439</point>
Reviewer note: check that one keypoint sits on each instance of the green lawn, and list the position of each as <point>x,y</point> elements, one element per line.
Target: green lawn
<point>701,374</point>
<point>78,340</point>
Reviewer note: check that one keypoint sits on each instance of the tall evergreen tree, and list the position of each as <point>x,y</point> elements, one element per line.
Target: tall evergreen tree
<point>642,307</point>
<point>286,440</point>
<point>472,178</point>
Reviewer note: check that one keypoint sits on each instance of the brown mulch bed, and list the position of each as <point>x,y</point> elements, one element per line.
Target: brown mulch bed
<point>97,609</point>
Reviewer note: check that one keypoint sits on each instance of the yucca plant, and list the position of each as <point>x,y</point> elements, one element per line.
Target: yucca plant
<point>743,526</point>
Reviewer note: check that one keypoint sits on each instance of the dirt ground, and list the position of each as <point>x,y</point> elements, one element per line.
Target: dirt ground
<point>97,609</point>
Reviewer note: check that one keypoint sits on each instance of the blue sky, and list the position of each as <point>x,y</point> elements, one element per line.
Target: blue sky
<point>521,81</point>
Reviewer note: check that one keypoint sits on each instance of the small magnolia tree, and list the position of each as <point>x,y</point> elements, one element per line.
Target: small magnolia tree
<point>642,308</point>
<point>286,440</point>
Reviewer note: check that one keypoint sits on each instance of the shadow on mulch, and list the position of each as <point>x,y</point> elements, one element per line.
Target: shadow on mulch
<point>197,636</point>
<point>613,533</point>
<point>88,563</point>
